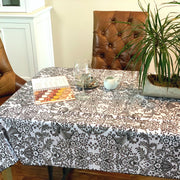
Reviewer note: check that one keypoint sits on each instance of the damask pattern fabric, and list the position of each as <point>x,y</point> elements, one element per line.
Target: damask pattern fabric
<point>7,156</point>
<point>115,131</point>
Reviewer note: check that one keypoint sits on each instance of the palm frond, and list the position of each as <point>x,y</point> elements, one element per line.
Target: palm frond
<point>160,43</point>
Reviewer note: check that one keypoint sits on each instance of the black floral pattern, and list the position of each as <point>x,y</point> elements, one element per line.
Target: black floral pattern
<point>116,131</point>
<point>7,154</point>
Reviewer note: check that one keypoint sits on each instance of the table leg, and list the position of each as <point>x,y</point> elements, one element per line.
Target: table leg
<point>50,172</point>
<point>66,172</point>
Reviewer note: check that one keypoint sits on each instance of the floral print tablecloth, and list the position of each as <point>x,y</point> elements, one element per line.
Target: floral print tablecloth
<point>116,131</point>
<point>7,155</point>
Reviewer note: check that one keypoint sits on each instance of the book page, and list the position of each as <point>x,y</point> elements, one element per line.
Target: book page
<point>51,89</point>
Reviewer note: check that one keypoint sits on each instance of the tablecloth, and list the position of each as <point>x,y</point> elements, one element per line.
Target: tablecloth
<point>115,131</point>
<point>7,155</point>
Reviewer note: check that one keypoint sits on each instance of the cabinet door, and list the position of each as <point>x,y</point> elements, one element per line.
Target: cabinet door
<point>18,45</point>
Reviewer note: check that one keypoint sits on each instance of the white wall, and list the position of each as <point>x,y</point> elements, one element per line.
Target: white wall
<point>72,23</point>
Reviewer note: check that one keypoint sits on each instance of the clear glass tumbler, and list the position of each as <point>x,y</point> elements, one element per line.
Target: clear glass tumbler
<point>81,72</point>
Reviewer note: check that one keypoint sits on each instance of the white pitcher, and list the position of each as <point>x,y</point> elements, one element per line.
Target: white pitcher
<point>111,83</point>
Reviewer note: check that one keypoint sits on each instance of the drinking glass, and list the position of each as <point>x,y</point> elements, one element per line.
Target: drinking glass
<point>81,72</point>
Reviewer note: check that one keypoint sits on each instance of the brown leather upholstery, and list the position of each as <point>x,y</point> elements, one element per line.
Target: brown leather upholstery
<point>9,81</point>
<point>110,37</point>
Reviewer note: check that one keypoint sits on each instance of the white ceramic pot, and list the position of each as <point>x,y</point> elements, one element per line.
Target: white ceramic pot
<point>159,91</point>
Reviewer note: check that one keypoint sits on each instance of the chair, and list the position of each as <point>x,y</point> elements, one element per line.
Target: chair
<point>9,81</point>
<point>110,37</point>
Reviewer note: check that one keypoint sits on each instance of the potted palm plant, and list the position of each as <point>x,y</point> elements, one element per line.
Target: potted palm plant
<point>160,45</point>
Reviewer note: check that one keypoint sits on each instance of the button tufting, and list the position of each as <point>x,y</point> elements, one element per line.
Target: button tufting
<point>113,20</point>
<point>136,35</point>
<point>120,56</point>
<point>131,56</point>
<point>110,45</point>
<point>117,56</point>
<point>130,20</point>
<point>119,34</point>
<point>102,55</point>
<point>103,32</point>
<point>111,37</point>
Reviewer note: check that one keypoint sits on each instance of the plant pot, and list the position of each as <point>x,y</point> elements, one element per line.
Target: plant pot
<point>159,91</point>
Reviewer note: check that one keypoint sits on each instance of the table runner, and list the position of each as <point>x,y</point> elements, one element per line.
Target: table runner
<point>115,131</point>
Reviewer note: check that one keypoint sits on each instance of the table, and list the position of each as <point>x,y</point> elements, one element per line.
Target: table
<point>115,131</point>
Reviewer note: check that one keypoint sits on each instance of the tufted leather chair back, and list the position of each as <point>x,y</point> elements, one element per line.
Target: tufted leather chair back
<point>110,37</point>
<point>9,81</point>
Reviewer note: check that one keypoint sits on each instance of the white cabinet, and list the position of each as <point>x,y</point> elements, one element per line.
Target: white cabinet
<point>20,5</point>
<point>28,42</point>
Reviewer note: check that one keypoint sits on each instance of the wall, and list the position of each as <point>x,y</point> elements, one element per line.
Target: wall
<point>72,24</point>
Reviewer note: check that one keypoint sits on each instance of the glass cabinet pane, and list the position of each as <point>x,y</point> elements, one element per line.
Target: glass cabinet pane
<point>11,2</point>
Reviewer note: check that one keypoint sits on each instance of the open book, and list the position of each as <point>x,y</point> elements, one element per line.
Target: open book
<point>51,89</point>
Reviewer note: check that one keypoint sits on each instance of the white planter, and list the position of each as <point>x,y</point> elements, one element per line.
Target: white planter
<point>159,91</point>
